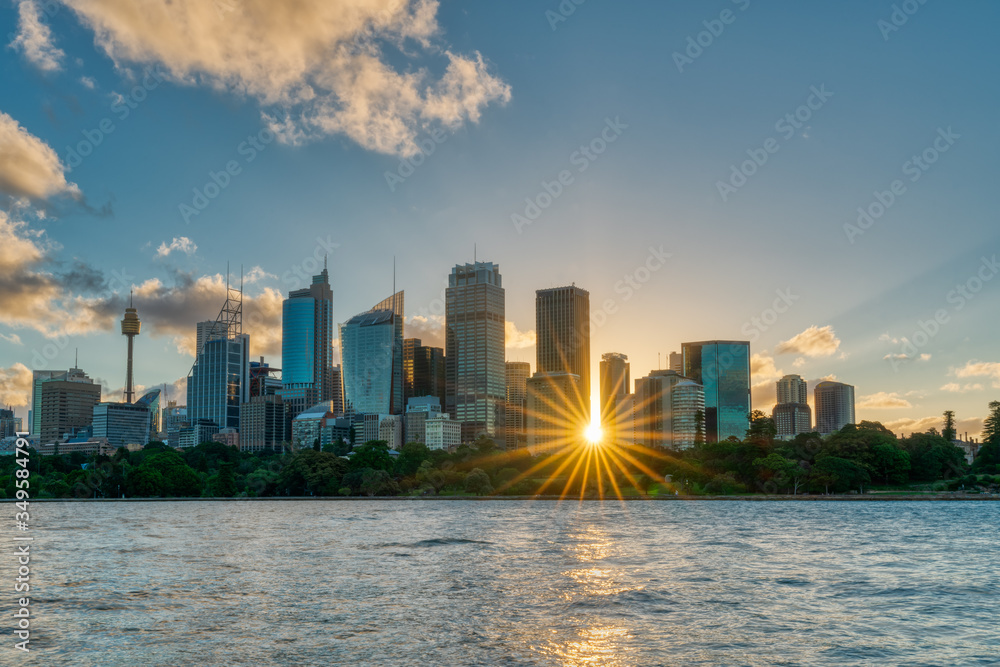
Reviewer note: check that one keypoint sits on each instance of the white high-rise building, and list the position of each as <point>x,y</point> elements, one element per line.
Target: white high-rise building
<point>834,406</point>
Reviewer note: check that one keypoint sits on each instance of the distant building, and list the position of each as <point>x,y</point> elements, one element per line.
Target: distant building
<point>666,407</point>
<point>151,401</point>
<point>122,424</point>
<point>722,367</point>
<point>199,431</point>
<point>677,363</point>
<point>624,432</point>
<point>423,370</point>
<point>262,383</point>
<point>220,381</point>
<point>265,423</point>
<point>615,385</point>
<point>35,414</point>
<point>443,432</point>
<point>307,427</point>
<point>834,406</point>
<point>418,410</point>
<point>390,430</point>
<point>227,436</point>
<point>10,425</point>
<point>517,374</point>
<point>372,359</point>
<point>307,345</point>
<point>562,329</point>
<point>556,417</point>
<point>208,330</point>
<point>85,446</point>
<point>792,414</point>
<point>66,402</point>
<point>174,419</point>
<point>475,323</point>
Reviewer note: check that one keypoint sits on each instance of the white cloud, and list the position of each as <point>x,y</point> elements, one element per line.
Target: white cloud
<point>88,82</point>
<point>180,243</point>
<point>15,385</point>
<point>34,39</point>
<point>29,168</point>
<point>883,401</point>
<point>956,388</point>
<point>799,362</point>
<point>813,342</point>
<point>317,69</point>
<point>257,274</point>
<point>763,370</point>
<point>428,328</point>
<point>14,339</point>
<point>988,369</point>
<point>909,425</point>
<point>517,339</point>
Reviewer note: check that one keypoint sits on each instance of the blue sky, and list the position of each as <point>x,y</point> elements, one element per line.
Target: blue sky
<point>541,93</point>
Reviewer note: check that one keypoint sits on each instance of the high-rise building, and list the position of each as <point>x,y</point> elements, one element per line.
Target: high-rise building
<point>122,424</point>
<point>262,382</point>
<point>174,419</point>
<point>517,373</point>
<point>562,329</point>
<point>556,417</point>
<point>677,363</point>
<point>615,384</point>
<point>220,382</point>
<point>307,345</point>
<point>792,414</point>
<point>371,348</point>
<point>834,406</point>
<point>208,330</point>
<point>475,322</point>
<point>66,403</point>
<point>151,401</point>
<point>35,414</point>
<point>418,410</point>
<point>265,423</point>
<point>443,432</point>
<point>722,367</point>
<point>625,431</point>
<point>665,410</point>
<point>423,370</point>
<point>10,425</point>
<point>337,374</point>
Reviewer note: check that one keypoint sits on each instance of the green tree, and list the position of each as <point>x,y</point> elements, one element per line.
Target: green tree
<point>699,427</point>
<point>378,483</point>
<point>762,428</point>
<point>838,474</point>
<point>223,484</point>
<point>312,473</point>
<point>948,433</point>
<point>991,425</point>
<point>373,454</point>
<point>784,471</point>
<point>411,457</point>
<point>145,483</point>
<point>179,480</point>
<point>891,463</point>
<point>478,482</point>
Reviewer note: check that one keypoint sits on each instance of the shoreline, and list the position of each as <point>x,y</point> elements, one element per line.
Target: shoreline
<point>547,498</point>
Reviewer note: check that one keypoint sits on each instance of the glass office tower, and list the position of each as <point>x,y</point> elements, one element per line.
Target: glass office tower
<point>476,381</point>
<point>722,367</point>
<point>307,345</point>
<point>220,381</point>
<point>372,359</point>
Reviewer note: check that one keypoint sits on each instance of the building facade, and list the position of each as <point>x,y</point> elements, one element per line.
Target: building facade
<point>665,410</point>
<point>66,403</point>
<point>122,424</point>
<point>265,423</point>
<point>475,322</point>
<point>307,345</point>
<point>834,406</point>
<point>443,432</point>
<point>10,425</point>
<point>517,374</point>
<point>615,385</point>
<point>372,360</point>
<point>418,410</point>
<point>555,414</point>
<point>562,329</point>
<point>219,382</point>
<point>423,370</point>
<point>722,367</point>
<point>792,414</point>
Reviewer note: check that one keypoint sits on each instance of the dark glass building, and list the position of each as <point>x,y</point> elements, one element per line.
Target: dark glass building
<point>307,345</point>
<point>722,367</point>
<point>219,382</point>
<point>372,359</point>
<point>562,327</point>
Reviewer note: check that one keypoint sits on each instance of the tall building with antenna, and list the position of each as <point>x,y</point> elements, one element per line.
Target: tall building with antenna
<point>307,370</point>
<point>219,381</point>
<point>130,329</point>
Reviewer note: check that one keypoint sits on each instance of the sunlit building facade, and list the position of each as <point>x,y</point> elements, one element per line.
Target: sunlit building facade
<point>517,373</point>
<point>792,414</point>
<point>665,410</point>
<point>834,406</point>
<point>615,385</point>
<point>562,329</point>
<point>555,412</point>
<point>723,368</point>
<point>475,323</point>
<point>372,359</point>
<point>66,403</point>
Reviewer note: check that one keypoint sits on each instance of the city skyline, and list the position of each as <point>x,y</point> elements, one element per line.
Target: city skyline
<point>899,305</point>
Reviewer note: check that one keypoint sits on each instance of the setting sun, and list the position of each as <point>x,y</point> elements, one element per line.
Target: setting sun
<point>593,433</point>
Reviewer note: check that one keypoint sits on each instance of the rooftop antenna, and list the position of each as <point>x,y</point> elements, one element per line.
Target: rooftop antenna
<point>393,274</point>
<point>76,363</point>
<point>475,253</point>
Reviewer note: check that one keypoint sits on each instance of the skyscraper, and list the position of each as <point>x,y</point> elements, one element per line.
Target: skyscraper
<point>9,424</point>
<point>219,381</point>
<point>66,402</point>
<point>834,406</point>
<point>130,329</point>
<point>517,373</point>
<point>35,417</point>
<point>307,345</point>
<point>423,370</point>
<point>372,359</point>
<point>265,423</point>
<point>555,415</point>
<point>722,367</point>
<point>207,330</point>
<point>475,323</point>
<point>615,385</point>
<point>665,409</point>
<point>792,414</point>
<point>122,423</point>
<point>562,328</point>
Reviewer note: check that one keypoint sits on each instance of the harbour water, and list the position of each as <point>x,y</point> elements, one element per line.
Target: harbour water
<point>512,583</point>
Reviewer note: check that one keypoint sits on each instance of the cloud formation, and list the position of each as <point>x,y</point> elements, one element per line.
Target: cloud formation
<point>762,369</point>
<point>883,401</point>
<point>34,38</point>
<point>517,339</point>
<point>15,385</point>
<point>956,388</point>
<point>180,244</point>
<point>813,342</point>
<point>29,168</point>
<point>981,369</point>
<point>361,68</point>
